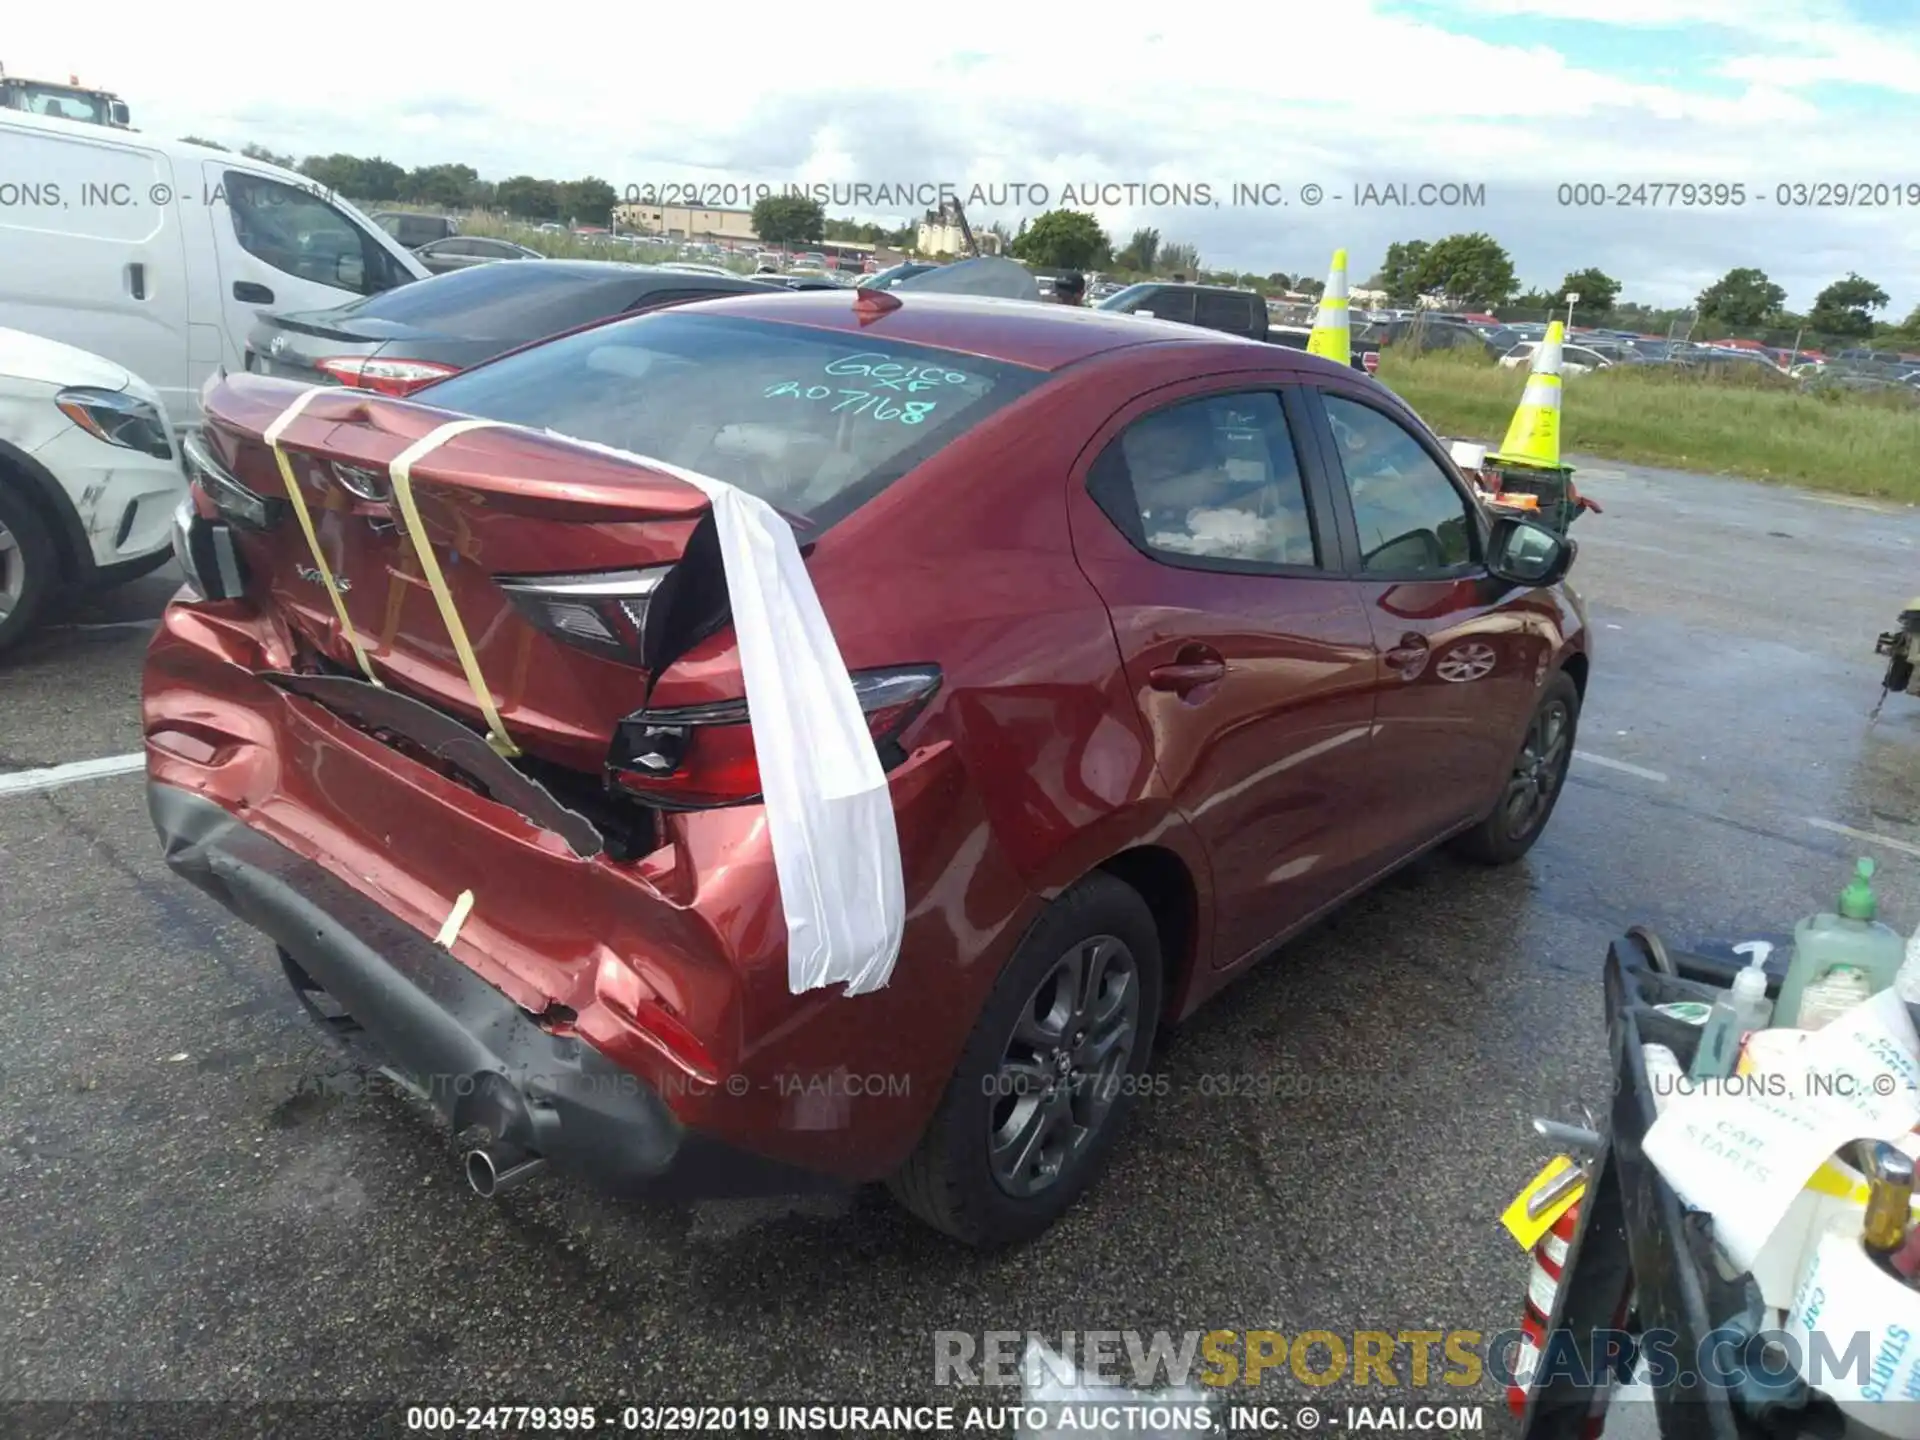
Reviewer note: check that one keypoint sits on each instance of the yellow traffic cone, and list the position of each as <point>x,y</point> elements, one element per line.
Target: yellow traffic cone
<point>1331,336</point>
<point>1534,436</point>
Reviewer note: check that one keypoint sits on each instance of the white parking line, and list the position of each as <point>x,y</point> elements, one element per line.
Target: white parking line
<point>1866,836</point>
<point>25,782</point>
<point>109,625</point>
<point>1855,504</point>
<point>1620,765</point>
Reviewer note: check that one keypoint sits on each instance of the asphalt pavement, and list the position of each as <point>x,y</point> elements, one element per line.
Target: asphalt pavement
<point>190,1212</point>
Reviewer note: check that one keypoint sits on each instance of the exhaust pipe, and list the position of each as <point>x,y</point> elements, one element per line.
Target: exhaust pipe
<point>495,1169</point>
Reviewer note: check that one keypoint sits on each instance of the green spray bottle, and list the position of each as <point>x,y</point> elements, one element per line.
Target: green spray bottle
<point>1848,937</point>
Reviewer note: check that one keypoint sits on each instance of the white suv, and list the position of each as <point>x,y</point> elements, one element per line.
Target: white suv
<point>89,478</point>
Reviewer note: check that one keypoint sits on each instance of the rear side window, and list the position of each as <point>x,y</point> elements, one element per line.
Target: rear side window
<point>506,302</point>
<point>1213,480</point>
<point>814,422</point>
<point>1167,304</point>
<point>1224,312</point>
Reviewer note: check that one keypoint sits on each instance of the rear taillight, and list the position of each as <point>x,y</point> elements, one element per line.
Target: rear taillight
<point>697,757</point>
<point>234,501</point>
<point>388,377</point>
<point>1371,362</point>
<point>604,612</point>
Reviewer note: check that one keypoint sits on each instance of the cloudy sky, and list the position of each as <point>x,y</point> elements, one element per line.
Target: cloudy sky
<point>1521,96</point>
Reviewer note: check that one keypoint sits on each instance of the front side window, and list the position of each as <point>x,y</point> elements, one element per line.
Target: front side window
<point>1412,519</point>
<point>1214,479</point>
<point>299,234</point>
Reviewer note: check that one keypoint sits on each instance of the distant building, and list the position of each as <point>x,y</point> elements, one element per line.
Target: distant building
<point>939,235</point>
<point>684,222</point>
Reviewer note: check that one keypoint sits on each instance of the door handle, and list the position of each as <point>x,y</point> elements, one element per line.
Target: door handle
<point>1196,666</point>
<point>252,294</point>
<point>137,280</point>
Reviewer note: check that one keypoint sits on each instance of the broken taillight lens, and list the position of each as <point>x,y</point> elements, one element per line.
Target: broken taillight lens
<point>387,377</point>
<point>604,612</point>
<point>697,757</point>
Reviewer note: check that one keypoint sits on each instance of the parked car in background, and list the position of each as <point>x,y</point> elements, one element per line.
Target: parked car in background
<point>1169,644</point>
<point>414,229</point>
<point>1219,307</point>
<point>404,339</point>
<point>89,477</point>
<point>893,275</point>
<point>802,280</point>
<point>1574,359</point>
<point>1421,333</point>
<point>459,252</point>
<point>1710,359</point>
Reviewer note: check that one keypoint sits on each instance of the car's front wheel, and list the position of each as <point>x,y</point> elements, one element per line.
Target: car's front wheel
<point>29,566</point>
<point>1532,788</point>
<point>1044,1085</point>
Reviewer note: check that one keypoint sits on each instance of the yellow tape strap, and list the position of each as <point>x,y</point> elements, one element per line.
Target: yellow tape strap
<point>298,500</point>
<point>1333,302</point>
<point>401,473</point>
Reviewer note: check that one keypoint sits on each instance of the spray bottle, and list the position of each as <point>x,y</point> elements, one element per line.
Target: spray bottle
<point>1743,1009</point>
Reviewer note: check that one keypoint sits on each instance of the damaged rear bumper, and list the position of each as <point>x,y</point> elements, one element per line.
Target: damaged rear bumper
<point>478,1058</point>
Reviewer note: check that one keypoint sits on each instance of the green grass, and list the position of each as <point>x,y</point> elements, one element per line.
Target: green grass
<point>1854,443</point>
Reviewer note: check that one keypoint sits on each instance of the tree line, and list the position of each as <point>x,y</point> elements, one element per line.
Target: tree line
<point>1469,271</point>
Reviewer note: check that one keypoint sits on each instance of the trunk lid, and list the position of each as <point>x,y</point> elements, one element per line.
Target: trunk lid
<point>505,511</point>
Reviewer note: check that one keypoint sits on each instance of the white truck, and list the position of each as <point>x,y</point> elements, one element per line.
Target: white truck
<point>160,254</point>
<point>71,101</point>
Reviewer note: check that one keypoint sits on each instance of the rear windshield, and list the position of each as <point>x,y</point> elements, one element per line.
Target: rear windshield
<point>505,302</point>
<point>814,422</point>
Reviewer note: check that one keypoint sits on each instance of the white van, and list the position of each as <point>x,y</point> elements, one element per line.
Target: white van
<point>160,254</point>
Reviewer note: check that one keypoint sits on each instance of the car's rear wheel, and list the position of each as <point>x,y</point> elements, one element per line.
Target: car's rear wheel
<point>29,566</point>
<point>1532,787</point>
<point>1049,1074</point>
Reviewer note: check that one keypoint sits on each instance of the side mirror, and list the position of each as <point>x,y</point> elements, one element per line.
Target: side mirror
<point>350,270</point>
<point>1524,553</point>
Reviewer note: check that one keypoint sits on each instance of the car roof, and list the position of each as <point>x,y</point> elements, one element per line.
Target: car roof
<point>1016,332</point>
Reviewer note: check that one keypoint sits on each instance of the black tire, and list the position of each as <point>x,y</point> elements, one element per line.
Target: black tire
<point>28,546</point>
<point>1899,674</point>
<point>950,1181</point>
<point>1508,832</point>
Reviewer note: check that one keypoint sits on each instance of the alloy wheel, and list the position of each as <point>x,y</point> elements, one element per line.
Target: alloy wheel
<point>1063,1066</point>
<point>13,571</point>
<point>1538,771</point>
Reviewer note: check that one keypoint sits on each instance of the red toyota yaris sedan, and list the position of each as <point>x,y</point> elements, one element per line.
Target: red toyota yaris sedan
<point>1169,642</point>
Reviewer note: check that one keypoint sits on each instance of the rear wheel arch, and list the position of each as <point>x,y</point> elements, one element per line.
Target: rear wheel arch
<point>1162,879</point>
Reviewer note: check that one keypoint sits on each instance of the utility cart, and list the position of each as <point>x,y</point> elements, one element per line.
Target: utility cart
<point>1638,1255</point>
<point>1546,492</point>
